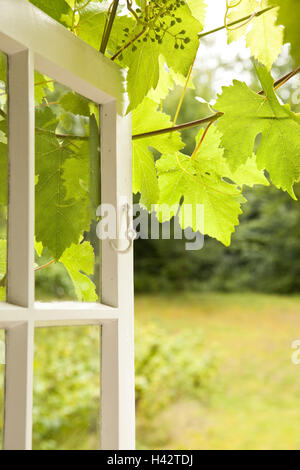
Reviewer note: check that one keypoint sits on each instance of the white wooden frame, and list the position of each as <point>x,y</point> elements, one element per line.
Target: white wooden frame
<point>32,41</point>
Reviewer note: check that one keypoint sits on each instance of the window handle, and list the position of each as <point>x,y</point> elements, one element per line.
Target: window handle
<point>130,233</point>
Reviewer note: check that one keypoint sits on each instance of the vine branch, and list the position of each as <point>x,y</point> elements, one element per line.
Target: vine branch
<point>236,22</point>
<point>129,43</point>
<point>194,154</point>
<point>183,93</point>
<point>39,268</point>
<point>108,26</point>
<point>281,81</point>
<point>179,127</point>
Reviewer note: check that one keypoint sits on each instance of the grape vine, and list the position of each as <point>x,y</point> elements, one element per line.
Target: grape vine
<point>156,42</point>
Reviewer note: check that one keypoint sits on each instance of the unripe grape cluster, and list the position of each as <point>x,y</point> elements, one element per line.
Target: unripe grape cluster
<point>160,17</point>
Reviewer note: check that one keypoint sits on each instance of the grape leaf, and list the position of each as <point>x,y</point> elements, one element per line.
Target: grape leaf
<point>263,36</point>
<point>177,41</point>
<point>75,104</point>
<point>59,220</point>
<point>81,173</point>
<point>53,8</point>
<point>246,115</point>
<point>198,9</point>
<point>288,16</point>
<point>3,258</point>
<point>143,71</point>
<point>91,26</point>
<point>41,83</point>
<point>3,174</point>
<point>79,260</point>
<point>199,182</point>
<point>3,67</point>
<point>147,117</point>
<point>168,79</point>
<point>180,53</point>
<point>38,246</point>
<point>246,175</point>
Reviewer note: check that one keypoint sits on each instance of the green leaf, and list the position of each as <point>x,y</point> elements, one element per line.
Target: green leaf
<point>79,260</point>
<point>38,246</point>
<point>143,73</point>
<point>3,67</point>
<point>288,16</point>
<point>81,172</point>
<point>199,182</point>
<point>198,9</point>
<point>75,104</point>
<point>53,8</point>
<point>168,79</point>
<point>180,60</point>
<point>3,174</point>
<point>91,26</point>
<point>3,258</point>
<point>42,83</point>
<point>263,37</point>
<point>247,115</point>
<point>59,220</point>
<point>246,175</point>
<point>147,118</point>
<point>76,175</point>
<point>2,294</point>
<point>178,42</point>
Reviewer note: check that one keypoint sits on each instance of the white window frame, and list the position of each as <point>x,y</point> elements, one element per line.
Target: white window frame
<point>32,41</point>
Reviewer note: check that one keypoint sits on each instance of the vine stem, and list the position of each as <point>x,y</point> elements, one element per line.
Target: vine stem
<point>183,92</point>
<point>233,23</point>
<point>179,127</point>
<point>61,136</point>
<point>108,28</point>
<point>201,140</point>
<point>281,81</point>
<point>3,281</point>
<point>129,43</point>
<point>45,265</point>
<point>73,16</point>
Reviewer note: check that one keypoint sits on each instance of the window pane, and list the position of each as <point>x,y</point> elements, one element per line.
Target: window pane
<point>2,382</point>
<point>3,174</point>
<point>67,193</point>
<point>66,413</point>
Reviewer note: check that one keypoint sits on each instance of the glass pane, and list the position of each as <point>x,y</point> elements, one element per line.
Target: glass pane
<point>66,413</point>
<point>2,383</point>
<point>67,193</point>
<point>3,174</point>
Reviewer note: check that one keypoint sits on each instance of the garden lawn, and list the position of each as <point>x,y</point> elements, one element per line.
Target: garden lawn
<point>256,399</point>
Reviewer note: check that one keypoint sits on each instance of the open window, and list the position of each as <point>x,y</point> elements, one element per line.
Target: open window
<point>33,45</point>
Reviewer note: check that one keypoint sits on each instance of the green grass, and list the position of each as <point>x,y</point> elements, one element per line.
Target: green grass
<point>256,398</point>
